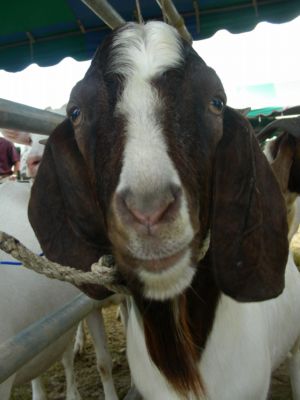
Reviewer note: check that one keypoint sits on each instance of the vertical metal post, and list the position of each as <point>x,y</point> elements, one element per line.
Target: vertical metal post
<point>105,12</point>
<point>175,18</point>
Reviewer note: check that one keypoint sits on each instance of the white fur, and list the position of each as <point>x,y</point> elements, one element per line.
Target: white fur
<point>144,56</point>
<point>293,213</point>
<point>33,149</point>
<point>34,153</point>
<point>146,49</point>
<point>292,200</point>
<point>167,284</point>
<point>38,390</point>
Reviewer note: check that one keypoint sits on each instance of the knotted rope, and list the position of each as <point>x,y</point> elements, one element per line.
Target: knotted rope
<point>103,272</point>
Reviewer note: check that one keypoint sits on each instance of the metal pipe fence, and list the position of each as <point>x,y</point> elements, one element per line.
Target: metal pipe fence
<point>18,350</point>
<point>21,117</point>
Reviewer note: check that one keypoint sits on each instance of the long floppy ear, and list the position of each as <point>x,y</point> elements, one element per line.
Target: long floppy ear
<point>63,210</point>
<point>249,228</point>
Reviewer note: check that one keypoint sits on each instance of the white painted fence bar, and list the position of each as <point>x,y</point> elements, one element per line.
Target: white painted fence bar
<point>17,351</point>
<point>105,12</point>
<point>18,116</point>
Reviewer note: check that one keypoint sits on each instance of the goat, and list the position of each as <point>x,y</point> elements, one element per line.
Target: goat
<point>26,296</point>
<point>282,150</point>
<point>153,167</point>
<point>283,153</point>
<point>34,145</point>
<point>35,154</point>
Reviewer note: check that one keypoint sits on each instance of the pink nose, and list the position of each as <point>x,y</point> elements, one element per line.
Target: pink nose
<point>149,209</point>
<point>33,163</point>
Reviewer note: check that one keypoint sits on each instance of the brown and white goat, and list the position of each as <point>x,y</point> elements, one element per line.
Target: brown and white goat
<point>282,150</point>
<point>283,153</point>
<point>153,167</point>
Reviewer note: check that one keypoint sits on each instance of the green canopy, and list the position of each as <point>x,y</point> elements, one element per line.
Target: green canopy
<point>261,117</point>
<point>264,112</point>
<point>44,32</point>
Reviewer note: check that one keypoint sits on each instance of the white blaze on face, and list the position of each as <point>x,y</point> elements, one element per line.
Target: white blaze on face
<point>141,53</point>
<point>145,52</point>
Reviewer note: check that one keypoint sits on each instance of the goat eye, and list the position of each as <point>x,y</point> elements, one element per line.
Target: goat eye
<point>75,115</point>
<point>217,105</point>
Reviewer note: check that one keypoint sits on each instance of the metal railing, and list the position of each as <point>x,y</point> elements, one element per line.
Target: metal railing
<point>20,117</point>
<point>23,347</point>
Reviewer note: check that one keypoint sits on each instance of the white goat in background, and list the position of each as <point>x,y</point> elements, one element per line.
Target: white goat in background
<point>283,153</point>
<point>26,296</point>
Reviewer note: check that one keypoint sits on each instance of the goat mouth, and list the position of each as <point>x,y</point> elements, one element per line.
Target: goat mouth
<point>161,264</point>
<point>167,277</point>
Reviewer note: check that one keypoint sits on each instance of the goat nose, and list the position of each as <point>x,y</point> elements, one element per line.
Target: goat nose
<point>149,209</point>
<point>33,163</point>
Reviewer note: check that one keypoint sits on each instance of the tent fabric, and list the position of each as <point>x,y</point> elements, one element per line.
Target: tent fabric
<point>274,112</point>
<point>44,32</point>
<point>265,112</point>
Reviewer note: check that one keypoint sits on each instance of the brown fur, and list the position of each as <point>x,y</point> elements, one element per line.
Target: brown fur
<point>245,228</point>
<point>63,189</point>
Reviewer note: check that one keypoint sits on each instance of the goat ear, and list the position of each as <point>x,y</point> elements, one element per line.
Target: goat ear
<point>249,228</point>
<point>63,210</point>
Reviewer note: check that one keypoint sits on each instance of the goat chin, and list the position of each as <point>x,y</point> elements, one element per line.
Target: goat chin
<point>170,282</point>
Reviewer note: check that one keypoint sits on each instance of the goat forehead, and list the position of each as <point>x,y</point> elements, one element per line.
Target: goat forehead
<point>141,53</point>
<point>146,50</point>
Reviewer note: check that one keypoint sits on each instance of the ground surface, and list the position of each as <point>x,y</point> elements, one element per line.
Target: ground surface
<point>89,383</point>
<point>88,380</point>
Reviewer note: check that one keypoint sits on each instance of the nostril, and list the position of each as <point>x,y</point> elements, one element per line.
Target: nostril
<point>176,192</point>
<point>149,209</point>
<point>149,218</point>
<point>33,164</point>
<point>33,161</point>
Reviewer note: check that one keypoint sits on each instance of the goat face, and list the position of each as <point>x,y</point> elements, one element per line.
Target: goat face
<point>144,125</point>
<point>154,127</point>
